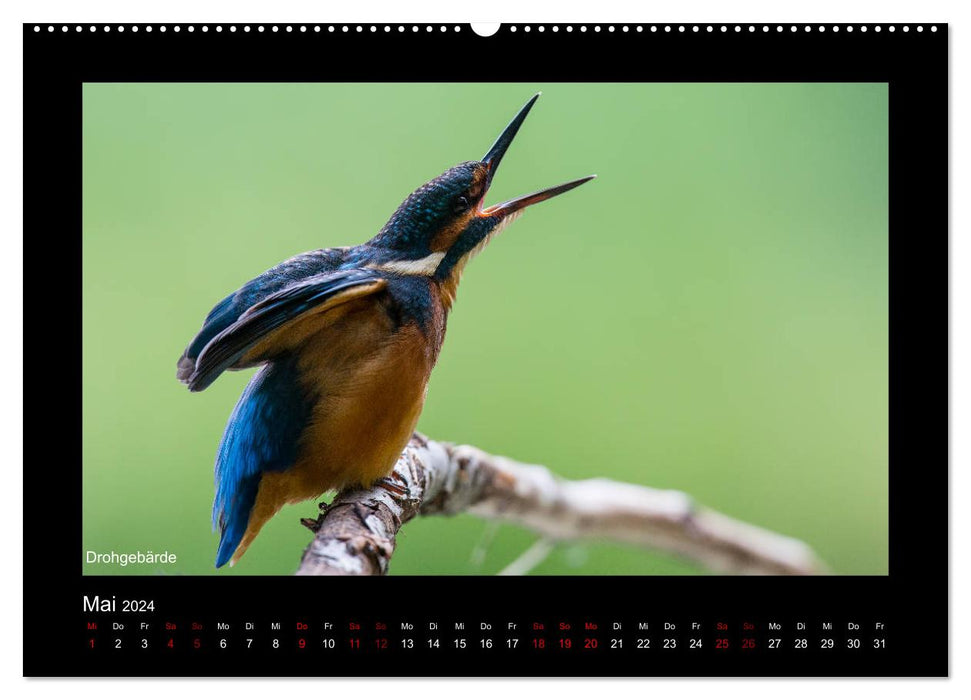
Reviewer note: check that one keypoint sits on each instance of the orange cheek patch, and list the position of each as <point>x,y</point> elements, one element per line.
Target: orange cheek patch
<point>478,182</point>
<point>444,239</point>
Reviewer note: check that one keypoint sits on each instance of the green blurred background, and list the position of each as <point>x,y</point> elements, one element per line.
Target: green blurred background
<point>709,315</point>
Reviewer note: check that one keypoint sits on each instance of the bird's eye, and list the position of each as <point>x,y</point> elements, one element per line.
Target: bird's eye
<point>461,204</point>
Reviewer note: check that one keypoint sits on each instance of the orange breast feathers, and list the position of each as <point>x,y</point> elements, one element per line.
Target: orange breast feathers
<point>370,379</point>
<point>369,376</point>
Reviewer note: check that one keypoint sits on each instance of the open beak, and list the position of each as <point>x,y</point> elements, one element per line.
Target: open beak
<point>494,156</point>
<point>521,202</point>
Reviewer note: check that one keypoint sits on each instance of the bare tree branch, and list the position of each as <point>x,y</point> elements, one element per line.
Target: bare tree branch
<point>355,534</point>
<point>530,559</point>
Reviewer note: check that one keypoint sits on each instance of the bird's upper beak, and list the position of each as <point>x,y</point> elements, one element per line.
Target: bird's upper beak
<point>494,156</point>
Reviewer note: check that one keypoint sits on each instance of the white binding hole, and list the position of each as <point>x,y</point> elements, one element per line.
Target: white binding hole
<point>485,29</point>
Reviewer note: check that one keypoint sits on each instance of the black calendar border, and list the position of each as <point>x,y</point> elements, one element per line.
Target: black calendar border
<point>913,599</point>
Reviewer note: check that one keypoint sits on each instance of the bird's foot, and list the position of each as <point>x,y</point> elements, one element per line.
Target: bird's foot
<point>312,524</point>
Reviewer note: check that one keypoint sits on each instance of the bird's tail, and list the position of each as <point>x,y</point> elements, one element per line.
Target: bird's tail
<point>258,446</point>
<point>234,517</point>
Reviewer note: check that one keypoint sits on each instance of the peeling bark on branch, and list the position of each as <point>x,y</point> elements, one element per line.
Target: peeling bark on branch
<point>355,535</point>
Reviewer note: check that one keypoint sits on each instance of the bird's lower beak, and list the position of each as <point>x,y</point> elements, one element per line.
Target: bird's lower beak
<point>513,205</point>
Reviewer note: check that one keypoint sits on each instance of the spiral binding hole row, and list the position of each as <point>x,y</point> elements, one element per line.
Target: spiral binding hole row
<point>415,28</point>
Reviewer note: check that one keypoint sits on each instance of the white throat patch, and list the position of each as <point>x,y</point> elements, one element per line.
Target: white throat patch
<point>424,267</point>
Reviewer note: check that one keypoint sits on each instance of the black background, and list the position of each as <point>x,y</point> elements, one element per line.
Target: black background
<point>912,601</point>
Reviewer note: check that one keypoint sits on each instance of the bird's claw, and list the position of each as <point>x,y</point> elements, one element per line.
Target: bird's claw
<point>312,524</point>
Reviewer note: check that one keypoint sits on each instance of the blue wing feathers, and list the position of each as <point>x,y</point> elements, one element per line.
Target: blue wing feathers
<point>226,348</point>
<point>228,311</point>
<point>262,435</point>
<point>219,319</point>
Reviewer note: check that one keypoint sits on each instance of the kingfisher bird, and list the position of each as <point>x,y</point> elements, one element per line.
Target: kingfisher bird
<point>346,339</point>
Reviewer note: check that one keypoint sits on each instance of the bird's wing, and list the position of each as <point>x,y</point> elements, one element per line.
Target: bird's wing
<point>228,311</point>
<point>315,295</point>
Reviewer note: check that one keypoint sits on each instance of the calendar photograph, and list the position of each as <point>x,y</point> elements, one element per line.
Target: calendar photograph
<point>478,328</point>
